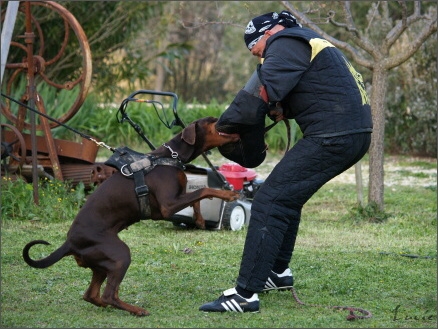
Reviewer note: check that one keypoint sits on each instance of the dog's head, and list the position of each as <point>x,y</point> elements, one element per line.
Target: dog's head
<point>200,136</point>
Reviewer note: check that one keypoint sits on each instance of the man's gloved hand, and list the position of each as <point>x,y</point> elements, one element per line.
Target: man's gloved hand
<point>275,111</point>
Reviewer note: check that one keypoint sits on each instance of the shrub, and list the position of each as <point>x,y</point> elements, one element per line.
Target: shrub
<point>57,201</point>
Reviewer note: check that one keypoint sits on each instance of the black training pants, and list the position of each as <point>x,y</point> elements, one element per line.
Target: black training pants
<point>276,207</point>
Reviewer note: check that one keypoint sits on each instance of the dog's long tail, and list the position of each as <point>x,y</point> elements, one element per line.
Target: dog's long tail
<point>55,256</point>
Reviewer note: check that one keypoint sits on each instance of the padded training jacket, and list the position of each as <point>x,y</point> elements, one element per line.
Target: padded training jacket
<point>316,85</point>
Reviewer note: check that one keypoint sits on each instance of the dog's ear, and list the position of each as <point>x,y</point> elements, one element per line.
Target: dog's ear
<point>189,134</point>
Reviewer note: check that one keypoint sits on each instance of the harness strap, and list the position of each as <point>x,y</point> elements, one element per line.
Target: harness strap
<point>136,165</point>
<point>142,192</point>
<point>148,163</point>
<point>138,169</point>
<point>140,164</point>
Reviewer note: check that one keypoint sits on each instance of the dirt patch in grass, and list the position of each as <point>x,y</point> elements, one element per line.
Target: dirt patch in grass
<point>399,170</point>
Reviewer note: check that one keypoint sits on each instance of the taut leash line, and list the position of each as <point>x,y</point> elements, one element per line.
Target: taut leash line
<point>101,144</point>
<point>287,123</point>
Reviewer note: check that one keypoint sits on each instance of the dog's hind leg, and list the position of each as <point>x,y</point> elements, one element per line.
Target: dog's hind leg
<point>116,265</point>
<point>92,294</point>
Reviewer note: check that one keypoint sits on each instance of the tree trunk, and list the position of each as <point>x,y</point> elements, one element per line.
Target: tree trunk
<point>160,77</point>
<point>359,182</point>
<point>376,151</point>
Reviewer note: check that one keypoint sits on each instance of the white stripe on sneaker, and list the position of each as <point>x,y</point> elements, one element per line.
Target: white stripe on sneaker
<point>232,305</point>
<point>224,305</point>
<point>237,305</point>
<point>270,284</point>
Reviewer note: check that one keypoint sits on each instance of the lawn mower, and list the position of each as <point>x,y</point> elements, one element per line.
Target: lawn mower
<point>217,213</point>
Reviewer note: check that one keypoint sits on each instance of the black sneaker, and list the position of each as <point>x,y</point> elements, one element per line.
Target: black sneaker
<point>283,281</point>
<point>231,301</point>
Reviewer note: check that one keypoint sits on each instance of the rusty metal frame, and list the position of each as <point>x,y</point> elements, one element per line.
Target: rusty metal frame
<point>35,64</point>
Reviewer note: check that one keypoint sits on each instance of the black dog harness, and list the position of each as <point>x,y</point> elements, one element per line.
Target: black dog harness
<point>136,165</point>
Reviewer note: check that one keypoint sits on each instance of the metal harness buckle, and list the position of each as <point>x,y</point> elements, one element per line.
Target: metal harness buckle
<point>141,190</point>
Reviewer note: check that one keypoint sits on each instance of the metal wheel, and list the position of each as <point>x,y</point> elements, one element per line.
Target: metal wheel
<point>73,53</point>
<point>13,148</point>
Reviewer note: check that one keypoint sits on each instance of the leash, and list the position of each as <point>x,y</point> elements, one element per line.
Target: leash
<point>101,144</point>
<point>287,123</point>
<point>407,255</point>
<point>350,317</point>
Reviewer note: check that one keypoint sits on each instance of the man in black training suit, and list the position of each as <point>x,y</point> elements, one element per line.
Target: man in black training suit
<point>304,77</point>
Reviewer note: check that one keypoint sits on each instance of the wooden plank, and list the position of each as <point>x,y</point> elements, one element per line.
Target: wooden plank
<point>85,150</point>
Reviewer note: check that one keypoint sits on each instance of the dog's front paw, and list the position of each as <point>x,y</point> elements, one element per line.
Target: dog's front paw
<point>232,195</point>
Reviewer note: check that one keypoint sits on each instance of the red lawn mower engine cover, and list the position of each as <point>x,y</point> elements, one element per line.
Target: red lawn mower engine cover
<point>236,175</point>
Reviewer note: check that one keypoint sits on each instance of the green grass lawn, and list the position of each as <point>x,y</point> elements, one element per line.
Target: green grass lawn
<point>339,260</point>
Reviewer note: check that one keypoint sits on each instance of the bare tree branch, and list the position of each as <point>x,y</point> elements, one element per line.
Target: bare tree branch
<point>400,58</point>
<point>111,24</point>
<point>376,7</point>
<point>403,24</point>
<point>349,26</point>
<point>357,57</point>
<point>198,25</point>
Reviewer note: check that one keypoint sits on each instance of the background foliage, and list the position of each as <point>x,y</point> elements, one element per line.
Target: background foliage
<point>102,123</point>
<point>412,105</point>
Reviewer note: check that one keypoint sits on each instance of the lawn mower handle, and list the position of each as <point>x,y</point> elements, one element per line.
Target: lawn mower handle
<point>177,121</point>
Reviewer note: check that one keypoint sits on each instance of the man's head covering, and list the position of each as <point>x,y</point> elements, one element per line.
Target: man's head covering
<point>257,26</point>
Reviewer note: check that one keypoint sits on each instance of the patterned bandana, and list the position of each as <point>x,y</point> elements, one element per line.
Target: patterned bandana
<point>257,26</point>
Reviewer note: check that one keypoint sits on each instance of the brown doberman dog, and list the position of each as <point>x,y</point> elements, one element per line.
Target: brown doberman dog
<point>93,236</point>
